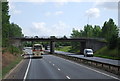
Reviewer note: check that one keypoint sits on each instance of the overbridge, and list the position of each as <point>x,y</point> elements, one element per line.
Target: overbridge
<point>93,43</point>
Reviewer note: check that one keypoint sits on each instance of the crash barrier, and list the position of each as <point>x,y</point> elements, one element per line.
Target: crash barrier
<point>105,66</point>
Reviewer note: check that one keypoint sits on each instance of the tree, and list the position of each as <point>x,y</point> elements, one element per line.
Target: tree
<point>88,31</point>
<point>15,30</point>
<point>97,31</point>
<point>118,43</point>
<point>8,30</point>
<point>109,29</point>
<point>5,24</point>
<point>112,43</point>
<point>75,33</point>
<point>110,33</point>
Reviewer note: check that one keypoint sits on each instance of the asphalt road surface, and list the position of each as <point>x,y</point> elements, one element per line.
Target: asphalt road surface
<point>104,60</point>
<point>53,67</point>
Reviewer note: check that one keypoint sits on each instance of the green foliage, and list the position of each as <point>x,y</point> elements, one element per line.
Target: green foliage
<point>118,44</point>
<point>15,30</point>
<point>109,31</point>
<point>64,48</point>
<point>75,47</point>
<point>112,43</point>
<point>105,52</point>
<point>97,31</point>
<point>88,31</point>
<point>14,50</point>
<point>27,44</point>
<point>5,23</point>
<point>8,30</point>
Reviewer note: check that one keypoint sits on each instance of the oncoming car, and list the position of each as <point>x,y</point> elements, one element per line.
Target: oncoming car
<point>88,52</point>
<point>37,50</point>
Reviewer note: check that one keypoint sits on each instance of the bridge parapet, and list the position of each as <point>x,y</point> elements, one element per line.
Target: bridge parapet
<point>93,43</point>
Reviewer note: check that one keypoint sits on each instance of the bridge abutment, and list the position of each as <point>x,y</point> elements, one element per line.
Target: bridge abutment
<point>52,47</point>
<point>82,47</point>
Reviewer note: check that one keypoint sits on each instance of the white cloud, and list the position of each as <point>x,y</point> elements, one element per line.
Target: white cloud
<point>17,12</point>
<point>13,9</point>
<point>54,13</point>
<point>47,13</point>
<point>58,29</point>
<point>93,12</point>
<point>58,12</point>
<point>107,5</point>
<point>11,6</point>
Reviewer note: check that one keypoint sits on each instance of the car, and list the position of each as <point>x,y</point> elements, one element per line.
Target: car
<point>88,52</point>
<point>25,54</point>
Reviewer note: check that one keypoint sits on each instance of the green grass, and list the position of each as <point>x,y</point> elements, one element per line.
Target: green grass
<point>107,53</point>
<point>10,66</point>
<point>64,48</point>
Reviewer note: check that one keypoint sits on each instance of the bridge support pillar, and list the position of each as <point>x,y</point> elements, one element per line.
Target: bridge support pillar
<point>82,47</point>
<point>52,46</point>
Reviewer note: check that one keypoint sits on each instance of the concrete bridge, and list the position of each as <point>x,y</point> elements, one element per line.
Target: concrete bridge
<point>93,43</point>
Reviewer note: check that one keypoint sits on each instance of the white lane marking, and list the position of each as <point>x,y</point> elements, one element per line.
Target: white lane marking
<point>68,77</point>
<point>95,70</point>
<point>26,73</point>
<point>58,69</point>
<point>53,64</point>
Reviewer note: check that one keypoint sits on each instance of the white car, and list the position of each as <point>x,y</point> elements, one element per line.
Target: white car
<point>25,54</point>
<point>88,52</point>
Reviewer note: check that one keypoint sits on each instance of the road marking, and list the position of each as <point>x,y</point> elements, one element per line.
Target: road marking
<point>95,70</point>
<point>58,69</point>
<point>53,64</point>
<point>68,77</point>
<point>26,73</point>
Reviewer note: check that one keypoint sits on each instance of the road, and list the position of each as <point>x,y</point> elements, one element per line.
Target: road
<point>53,67</point>
<point>104,60</point>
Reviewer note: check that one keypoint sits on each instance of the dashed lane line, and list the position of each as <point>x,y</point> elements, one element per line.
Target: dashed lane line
<point>94,70</point>
<point>68,77</point>
<point>58,69</point>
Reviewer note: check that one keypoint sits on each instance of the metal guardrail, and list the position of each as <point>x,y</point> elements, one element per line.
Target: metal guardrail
<point>105,66</point>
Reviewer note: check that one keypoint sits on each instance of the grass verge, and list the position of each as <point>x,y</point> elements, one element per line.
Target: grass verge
<point>64,48</point>
<point>108,53</point>
<point>10,66</point>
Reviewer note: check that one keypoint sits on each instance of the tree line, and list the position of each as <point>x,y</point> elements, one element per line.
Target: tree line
<point>109,31</point>
<point>8,29</point>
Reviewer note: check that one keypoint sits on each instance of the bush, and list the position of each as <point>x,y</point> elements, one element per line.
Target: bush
<point>112,42</point>
<point>118,45</point>
<point>14,50</point>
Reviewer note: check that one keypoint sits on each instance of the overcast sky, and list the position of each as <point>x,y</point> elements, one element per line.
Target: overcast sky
<point>46,18</point>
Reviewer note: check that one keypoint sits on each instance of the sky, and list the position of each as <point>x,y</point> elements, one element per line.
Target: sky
<point>58,18</point>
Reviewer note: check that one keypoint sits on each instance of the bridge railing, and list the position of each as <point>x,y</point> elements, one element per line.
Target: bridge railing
<point>55,37</point>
